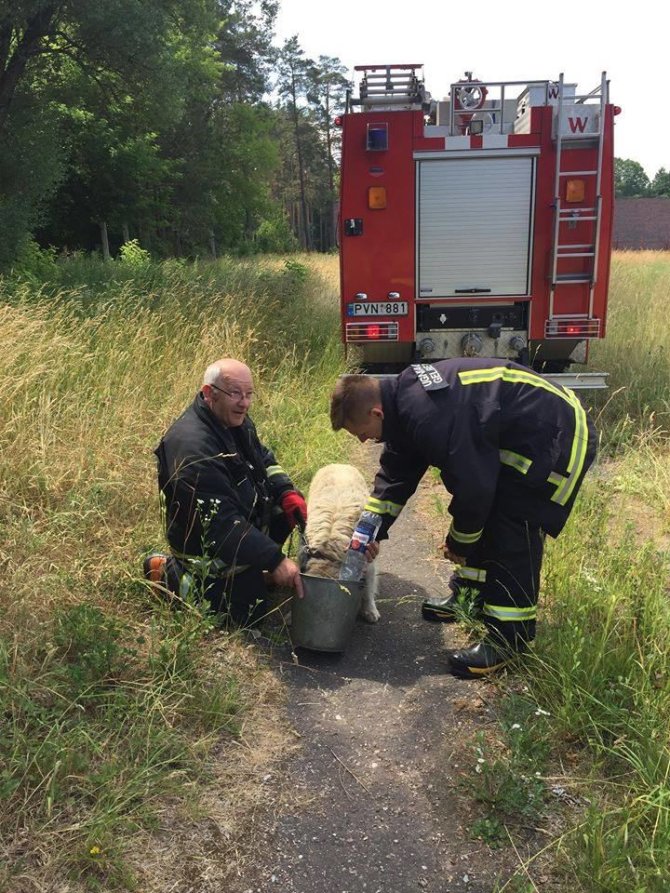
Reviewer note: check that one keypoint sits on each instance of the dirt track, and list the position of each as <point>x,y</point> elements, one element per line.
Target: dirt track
<point>386,734</point>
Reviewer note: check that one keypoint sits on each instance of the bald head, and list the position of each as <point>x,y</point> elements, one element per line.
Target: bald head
<point>228,389</point>
<point>225,369</point>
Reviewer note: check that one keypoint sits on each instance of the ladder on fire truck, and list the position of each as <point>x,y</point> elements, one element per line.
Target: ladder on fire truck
<point>557,325</point>
<point>390,85</point>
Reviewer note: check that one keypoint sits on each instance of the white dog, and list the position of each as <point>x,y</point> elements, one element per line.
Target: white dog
<point>335,501</point>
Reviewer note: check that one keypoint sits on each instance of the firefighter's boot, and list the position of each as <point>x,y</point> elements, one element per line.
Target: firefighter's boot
<point>464,602</point>
<point>155,569</point>
<point>442,610</point>
<point>478,660</point>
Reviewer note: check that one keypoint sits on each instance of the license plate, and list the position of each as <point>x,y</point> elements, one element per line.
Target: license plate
<point>378,308</point>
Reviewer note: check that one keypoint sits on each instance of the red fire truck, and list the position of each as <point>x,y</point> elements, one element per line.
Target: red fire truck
<point>480,225</point>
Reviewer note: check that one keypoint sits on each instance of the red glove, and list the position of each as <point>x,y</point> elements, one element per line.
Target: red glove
<point>295,508</point>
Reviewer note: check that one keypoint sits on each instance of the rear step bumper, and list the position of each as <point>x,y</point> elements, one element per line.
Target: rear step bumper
<point>580,381</point>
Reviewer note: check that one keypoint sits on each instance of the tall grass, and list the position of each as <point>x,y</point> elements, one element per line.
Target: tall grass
<point>600,674</point>
<point>111,704</point>
<point>634,351</point>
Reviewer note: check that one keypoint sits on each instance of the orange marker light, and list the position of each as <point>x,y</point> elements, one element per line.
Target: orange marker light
<point>575,191</point>
<point>376,198</point>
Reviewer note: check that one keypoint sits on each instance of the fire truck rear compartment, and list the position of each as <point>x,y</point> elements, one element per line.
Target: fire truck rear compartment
<point>487,330</point>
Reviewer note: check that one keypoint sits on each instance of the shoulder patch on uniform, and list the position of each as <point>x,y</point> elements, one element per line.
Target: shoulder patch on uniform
<point>429,377</point>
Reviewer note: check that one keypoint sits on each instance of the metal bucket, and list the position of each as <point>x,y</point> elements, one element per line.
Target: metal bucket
<point>324,619</point>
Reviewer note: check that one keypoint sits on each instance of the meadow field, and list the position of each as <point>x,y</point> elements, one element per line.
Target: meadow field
<point>118,711</point>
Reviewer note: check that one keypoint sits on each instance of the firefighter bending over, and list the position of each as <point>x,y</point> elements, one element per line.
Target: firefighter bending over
<point>512,448</point>
<point>228,505</point>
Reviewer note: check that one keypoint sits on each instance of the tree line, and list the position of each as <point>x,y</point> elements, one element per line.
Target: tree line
<point>176,122</point>
<point>631,180</point>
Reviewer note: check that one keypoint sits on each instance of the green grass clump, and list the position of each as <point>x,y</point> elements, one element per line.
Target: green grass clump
<point>99,729</point>
<point>603,670</point>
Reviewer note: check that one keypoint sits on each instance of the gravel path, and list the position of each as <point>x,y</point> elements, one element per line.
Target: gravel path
<point>385,734</point>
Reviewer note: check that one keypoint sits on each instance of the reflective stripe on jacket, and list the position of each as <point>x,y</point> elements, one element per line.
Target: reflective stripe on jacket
<point>490,427</point>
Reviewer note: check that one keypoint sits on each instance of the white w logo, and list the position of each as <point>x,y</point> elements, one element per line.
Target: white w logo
<point>553,91</point>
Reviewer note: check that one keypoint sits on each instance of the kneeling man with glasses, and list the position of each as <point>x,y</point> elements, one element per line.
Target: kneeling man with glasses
<point>228,505</point>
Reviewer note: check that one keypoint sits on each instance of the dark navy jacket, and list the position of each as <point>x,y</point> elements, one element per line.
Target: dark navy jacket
<point>220,486</point>
<point>499,433</point>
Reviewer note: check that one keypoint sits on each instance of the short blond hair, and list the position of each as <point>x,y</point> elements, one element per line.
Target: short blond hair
<point>353,397</point>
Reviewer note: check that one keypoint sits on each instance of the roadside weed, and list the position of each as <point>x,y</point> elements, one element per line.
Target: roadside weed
<point>506,779</point>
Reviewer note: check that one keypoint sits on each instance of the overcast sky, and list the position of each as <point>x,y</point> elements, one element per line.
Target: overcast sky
<point>511,41</point>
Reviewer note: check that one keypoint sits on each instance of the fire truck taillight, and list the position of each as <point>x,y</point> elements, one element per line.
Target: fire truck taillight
<point>572,328</point>
<point>376,198</point>
<point>359,332</point>
<point>337,121</point>
<point>575,191</point>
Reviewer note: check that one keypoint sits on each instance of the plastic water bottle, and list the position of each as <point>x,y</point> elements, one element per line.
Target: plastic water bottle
<point>366,532</point>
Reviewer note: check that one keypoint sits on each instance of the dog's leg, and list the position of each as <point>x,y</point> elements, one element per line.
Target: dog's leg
<point>369,610</point>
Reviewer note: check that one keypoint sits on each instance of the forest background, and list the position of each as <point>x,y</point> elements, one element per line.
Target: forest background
<point>178,123</point>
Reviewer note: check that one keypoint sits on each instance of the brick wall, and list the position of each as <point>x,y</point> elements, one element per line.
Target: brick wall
<point>642,223</point>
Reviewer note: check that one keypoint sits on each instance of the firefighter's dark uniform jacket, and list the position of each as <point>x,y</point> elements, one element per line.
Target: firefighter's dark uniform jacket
<point>511,448</point>
<point>220,486</point>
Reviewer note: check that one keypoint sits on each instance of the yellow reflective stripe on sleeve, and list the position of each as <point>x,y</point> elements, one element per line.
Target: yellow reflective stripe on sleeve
<point>383,507</point>
<point>471,573</point>
<point>565,484</point>
<point>273,470</point>
<point>466,538</point>
<point>510,614</point>
<point>515,460</point>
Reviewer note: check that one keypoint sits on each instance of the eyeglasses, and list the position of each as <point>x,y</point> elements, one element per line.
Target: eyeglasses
<point>237,396</point>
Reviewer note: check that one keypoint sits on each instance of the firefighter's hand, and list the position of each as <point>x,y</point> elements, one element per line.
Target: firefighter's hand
<point>452,556</point>
<point>294,508</point>
<point>287,573</point>
<point>371,551</point>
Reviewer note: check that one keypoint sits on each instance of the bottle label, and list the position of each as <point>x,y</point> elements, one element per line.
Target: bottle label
<point>359,541</point>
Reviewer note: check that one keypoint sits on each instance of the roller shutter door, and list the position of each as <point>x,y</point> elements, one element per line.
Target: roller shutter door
<point>474,226</point>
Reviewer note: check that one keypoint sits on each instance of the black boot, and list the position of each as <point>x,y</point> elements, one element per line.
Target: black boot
<point>478,661</point>
<point>454,607</point>
<point>441,610</point>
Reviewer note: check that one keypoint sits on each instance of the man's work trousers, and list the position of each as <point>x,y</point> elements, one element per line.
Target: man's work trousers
<point>241,594</point>
<point>503,573</point>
